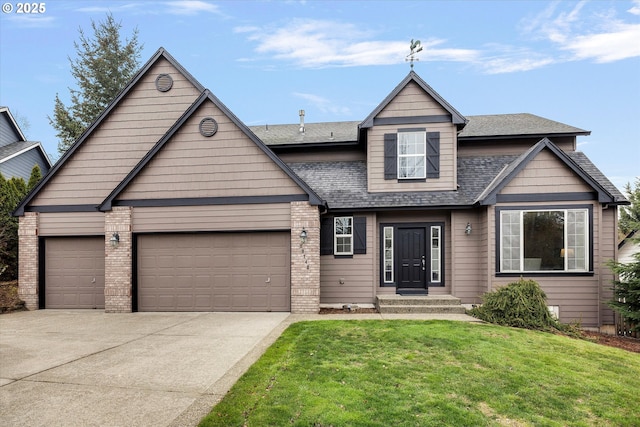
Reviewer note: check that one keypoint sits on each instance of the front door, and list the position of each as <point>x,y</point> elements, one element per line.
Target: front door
<point>412,259</point>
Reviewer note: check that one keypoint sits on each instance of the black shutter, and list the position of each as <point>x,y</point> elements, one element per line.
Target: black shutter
<point>390,156</point>
<point>326,236</point>
<point>433,154</point>
<point>360,235</point>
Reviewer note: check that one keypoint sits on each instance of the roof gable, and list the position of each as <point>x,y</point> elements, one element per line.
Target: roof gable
<point>120,99</point>
<point>10,132</point>
<point>154,153</point>
<point>511,170</point>
<point>456,117</point>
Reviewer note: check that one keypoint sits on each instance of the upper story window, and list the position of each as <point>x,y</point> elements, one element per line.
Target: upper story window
<point>554,240</point>
<point>412,155</point>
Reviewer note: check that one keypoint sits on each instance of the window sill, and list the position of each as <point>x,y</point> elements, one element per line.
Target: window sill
<point>410,180</point>
<point>547,274</point>
<point>346,256</point>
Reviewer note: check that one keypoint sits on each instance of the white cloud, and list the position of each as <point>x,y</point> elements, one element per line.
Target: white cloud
<point>191,7</point>
<point>596,35</point>
<point>318,44</point>
<point>323,104</point>
<point>108,9</point>
<point>31,21</point>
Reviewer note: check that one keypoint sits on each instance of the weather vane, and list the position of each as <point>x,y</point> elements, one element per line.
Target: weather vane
<point>415,47</point>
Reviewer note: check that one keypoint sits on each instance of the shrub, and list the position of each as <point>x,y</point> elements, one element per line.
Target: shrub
<point>522,304</point>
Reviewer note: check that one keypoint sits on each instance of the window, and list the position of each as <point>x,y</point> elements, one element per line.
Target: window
<point>544,240</point>
<point>388,254</point>
<point>436,254</point>
<point>343,241</point>
<point>412,152</point>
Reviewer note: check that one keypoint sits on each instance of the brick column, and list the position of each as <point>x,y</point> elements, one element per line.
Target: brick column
<point>28,260</point>
<point>118,263</point>
<point>305,258</point>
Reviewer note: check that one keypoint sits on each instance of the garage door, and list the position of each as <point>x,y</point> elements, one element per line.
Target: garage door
<point>74,272</point>
<point>214,272</point>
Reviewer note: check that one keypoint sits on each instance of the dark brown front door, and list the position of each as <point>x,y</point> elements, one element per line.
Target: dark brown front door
<point>412,259</point>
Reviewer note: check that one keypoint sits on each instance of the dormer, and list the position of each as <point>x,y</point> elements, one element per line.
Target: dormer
<point>412,140</point>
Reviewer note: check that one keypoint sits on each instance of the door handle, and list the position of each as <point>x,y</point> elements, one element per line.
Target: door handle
<point>424,263</point>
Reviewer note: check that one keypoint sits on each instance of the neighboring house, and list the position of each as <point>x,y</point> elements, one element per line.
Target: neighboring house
<point>168,202</point>
<point>17,155</point>
<point>628,247</point>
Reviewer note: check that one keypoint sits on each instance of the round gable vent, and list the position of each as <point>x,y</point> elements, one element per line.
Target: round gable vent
<point>208,126</point>
<point>164,82</point>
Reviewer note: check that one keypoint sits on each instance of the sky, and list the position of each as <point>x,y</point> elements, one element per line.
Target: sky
<point>576,62</point>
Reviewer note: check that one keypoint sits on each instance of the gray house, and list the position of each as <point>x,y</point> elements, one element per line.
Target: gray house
<point>17,155</point>
<point>168,202</point>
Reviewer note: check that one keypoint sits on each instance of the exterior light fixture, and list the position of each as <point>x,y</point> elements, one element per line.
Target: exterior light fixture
<point>467,229</point>
<point>114,240</point>
<point>303,236</point>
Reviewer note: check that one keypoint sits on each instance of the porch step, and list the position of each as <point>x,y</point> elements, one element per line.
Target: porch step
<point>419,304</point>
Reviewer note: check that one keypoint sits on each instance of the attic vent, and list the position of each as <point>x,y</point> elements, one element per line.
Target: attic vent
<point>164,82</point>
<point>208,126</point>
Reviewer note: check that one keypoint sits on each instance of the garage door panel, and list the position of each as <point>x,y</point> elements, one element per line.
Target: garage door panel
<point>74,272</point>
<point>217,271</point>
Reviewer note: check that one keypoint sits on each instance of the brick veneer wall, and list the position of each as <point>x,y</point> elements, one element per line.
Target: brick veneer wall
<point>28,271</point>
<point>118,266</point>
<point>305,258</point>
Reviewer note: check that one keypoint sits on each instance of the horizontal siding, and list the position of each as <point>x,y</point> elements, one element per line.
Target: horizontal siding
<point>71,224</point>
<point>356,272</point>
<point>226,164</point>
<point>467,254</point>
<point>546,174</point>
<point>275,216</point>
<point>412,101</point>
<point>375,170</point>
<point>118,144</point>
<point>608,249</point>
<point>324,156</point>
<point>21,166</point>
<point>509,146</point>
<point>577,296</point>
<point>8,133</point>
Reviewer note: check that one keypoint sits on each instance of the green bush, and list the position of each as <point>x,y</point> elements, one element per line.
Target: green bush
<point>522,304</point>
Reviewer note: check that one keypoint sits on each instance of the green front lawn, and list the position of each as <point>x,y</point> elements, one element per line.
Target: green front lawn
<point>422,373</point>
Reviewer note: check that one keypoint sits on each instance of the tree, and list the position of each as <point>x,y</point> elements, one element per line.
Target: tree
<point>103,67</point>
<point>626,291</point>
<point>12,191</point>
<point>630,215</point>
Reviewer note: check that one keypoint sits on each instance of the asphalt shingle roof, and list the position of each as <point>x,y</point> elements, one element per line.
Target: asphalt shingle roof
<point>15,147</point>
<point>477,126</point>
<point>313,133</point>
<point>343,185</point>
<point>515,124</point>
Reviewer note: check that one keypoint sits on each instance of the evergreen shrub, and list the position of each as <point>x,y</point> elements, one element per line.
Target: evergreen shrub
<point>522,304</point>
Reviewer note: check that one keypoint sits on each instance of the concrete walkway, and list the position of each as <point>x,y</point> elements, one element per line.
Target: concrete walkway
<point>84,368</point>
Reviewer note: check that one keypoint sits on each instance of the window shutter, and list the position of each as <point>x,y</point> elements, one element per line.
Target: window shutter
<point>390,156</point>
<point>360,235</point>
<point>433,154</point>
<point>326,236</point>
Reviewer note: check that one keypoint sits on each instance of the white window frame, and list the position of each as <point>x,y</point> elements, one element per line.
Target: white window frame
<point>388,254</point>
<point>583,241</point>
<point>418,156</point>
<point>343,236</point>
<point>435,253</point>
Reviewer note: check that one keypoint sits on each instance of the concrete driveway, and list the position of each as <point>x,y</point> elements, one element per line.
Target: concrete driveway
<point>82,368</point>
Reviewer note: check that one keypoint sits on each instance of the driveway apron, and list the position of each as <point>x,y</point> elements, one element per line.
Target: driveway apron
<point>83,368</point>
